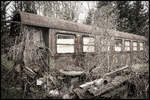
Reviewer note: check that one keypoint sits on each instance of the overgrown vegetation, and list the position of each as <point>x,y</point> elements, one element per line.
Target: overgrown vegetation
<point>18,82</point>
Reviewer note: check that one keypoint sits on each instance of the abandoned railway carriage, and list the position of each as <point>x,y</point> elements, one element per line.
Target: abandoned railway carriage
<point>71,43</point>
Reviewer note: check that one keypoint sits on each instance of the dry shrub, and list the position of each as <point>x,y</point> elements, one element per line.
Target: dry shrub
<point>140,82</point>
<point>28,53</point>
<point>97,65</point>
<point>104,20</point>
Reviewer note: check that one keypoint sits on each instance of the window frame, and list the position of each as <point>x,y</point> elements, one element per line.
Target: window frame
<point>108,45</point>
<point>120,46</point>
<point>134,46</point>
<point>140,46</point>
<point>88,44</point>
<point>130,42</point>
<point>66,34</point>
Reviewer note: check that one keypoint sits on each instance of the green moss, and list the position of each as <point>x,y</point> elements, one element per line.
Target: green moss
<point>10,93</point>
<point>7,64</point>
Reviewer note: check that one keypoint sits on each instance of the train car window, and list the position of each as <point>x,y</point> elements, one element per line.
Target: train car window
<point>118,44</point>
<point>134,46</point>
<point>141,46</point>
<point>105,45</point>
<point>65,43</point>
<point>127,45</point>
<point>88,44</point>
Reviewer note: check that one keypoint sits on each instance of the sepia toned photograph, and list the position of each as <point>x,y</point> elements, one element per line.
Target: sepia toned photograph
<point>74,49</point>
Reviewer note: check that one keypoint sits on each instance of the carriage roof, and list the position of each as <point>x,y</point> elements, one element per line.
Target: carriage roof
<point>47,22</point>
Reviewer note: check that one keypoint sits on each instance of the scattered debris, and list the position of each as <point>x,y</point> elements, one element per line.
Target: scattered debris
<point>54,93</point>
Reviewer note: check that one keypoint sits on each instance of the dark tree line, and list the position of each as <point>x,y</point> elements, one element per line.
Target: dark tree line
<point>8,9</point>
<point>133,17</point>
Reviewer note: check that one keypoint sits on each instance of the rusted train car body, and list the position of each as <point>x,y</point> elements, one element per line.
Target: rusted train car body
<point>67,42</point>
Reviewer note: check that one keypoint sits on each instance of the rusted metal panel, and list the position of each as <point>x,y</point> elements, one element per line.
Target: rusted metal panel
<point>63,62</point>
<point>116,82</point>
<point>119,90</point>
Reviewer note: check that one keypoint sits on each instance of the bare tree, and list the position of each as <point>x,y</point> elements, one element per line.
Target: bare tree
<point>105,20</point>
<point>59,9</point>
<point>4,26</point>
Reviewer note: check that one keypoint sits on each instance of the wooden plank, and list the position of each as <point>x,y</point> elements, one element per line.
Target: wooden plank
<point>71,73</point>
<point>118,70</point>
<point>88,84</point>
<point>29,72</point>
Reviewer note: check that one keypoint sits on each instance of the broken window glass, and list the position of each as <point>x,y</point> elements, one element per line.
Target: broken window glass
<point>118,44</point>
<point>65,43</point>
<point>134,46</point>
<point>127,45</point>
<point>105,45</point>
<point>88,44</point>
<point>141,46</point>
